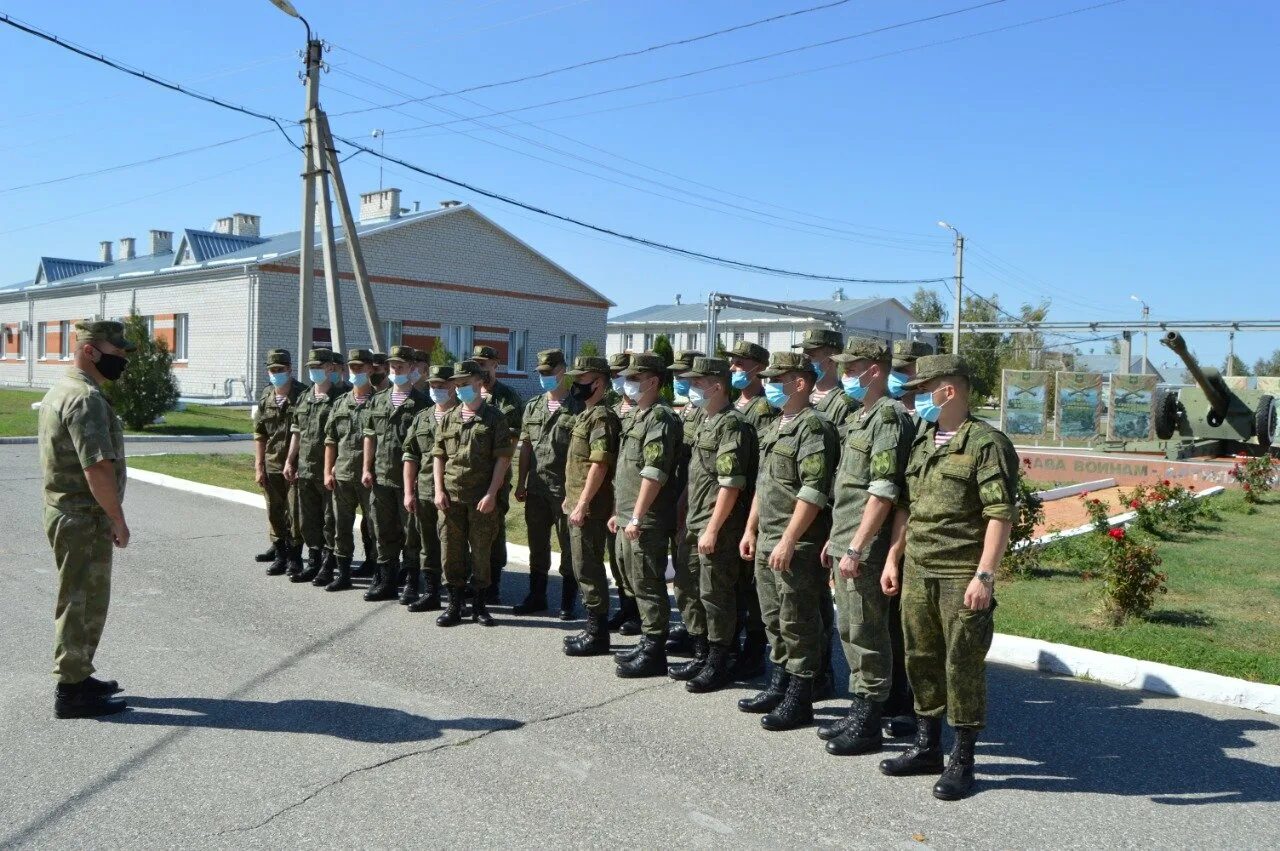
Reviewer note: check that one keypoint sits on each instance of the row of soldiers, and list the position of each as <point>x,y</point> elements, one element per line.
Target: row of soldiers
<point>782,476</point>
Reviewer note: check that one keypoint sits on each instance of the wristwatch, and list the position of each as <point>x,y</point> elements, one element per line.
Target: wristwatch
<point>986,577</point>
<point>852,553</point>
<point>634,521</point>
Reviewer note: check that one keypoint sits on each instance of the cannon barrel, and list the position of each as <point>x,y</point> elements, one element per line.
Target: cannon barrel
<point>1214,393</point>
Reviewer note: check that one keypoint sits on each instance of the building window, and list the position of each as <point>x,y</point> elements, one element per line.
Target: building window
<point>738,337</point>
<point>180,325</point>
<point>517,342</point>
<point>64,339</point>
<point>457,340</point>
<point>648,343</point>
<point>628,342</point>
<point>393,332</point>
<point>42,340</point>
<point>150,322</point>
<point>691,341</point>
<point>4,341</point>
<point>569,345</point>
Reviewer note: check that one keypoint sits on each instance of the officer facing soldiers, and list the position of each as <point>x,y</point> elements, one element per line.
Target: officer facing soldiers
<point>83,468</point>
<point>547,425</point>
<point>785,533</point>
<point>722,474</point>
<point>394,528</point>
<point>644,488</point>
<point>305,467</point>
<point>471,460</point>
<point>588,503</point>
<point>627,619</point>
<point>958,507</point>
<point>873,461</point>
<point>681,639</point>
<point>420,481</point>
<point>271,439</point>
<point>510,405</point>
<point>344,466</point>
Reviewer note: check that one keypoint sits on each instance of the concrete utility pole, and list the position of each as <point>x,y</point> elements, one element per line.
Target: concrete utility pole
<point>1231,353</point>
<point>959,251</point>
<point>306,258</point>
<point>1146,312</point>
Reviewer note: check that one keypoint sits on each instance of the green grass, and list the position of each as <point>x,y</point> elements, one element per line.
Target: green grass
<point>1221,612</point>
<point>18,420</point>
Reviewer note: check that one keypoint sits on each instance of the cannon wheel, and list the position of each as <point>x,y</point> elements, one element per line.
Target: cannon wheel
<point>1265,420</point>
<point>1166,404</point>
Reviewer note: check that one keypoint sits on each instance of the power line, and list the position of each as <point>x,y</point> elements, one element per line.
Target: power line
<point>624,55</point>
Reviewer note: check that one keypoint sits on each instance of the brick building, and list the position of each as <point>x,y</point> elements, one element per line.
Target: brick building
<point>221,298</point>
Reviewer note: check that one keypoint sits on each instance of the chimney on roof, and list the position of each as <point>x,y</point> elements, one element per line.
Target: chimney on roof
<point>246,224</point>
<point>838,295</point>
<point>162,242</point>
<point>127,249</point>
<point>447,204</point>
<point>222,225</point>
<point>104,251</point>
<point>380,205</point>
<point>677,299</point>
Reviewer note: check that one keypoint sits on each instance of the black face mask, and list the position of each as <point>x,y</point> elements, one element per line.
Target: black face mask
<point>111,366</point>
<point>581,392</point>
<point>378,377</point>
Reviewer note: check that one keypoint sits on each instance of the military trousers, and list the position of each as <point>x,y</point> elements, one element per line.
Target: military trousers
<point>82,552</point>
<point>864,632</point>
<point>347,496</point>
<point>498,553</point>
<point>587,547</point>
<point>615,564</point>
<point>282,508</point>
<point>468,536</point>
<point>901,701</point>
<point>947,645</point>
<point>791,607</point>
<point>644,561</point>
<point>315,513</point>
<point>706,586</point>
<point>394,529</point>
<point>749,619</point>
<point>429,538</point>
<point>543,514</point>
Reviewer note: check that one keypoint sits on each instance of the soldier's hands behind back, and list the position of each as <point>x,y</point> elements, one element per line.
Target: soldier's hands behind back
<point>978,595</point>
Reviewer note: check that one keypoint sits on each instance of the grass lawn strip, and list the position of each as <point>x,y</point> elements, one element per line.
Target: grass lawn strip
<point>17,419</point>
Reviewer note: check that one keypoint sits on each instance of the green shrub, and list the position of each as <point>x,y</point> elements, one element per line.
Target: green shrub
<point>1130,576</point>
<point>147,388</point>
<point>1021,558</point>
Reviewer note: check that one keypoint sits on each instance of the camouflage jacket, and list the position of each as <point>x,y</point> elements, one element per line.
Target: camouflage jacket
<point>597,433</point>
<point>419,446</point>
<point>837,407</point>
<point>797,463</point>
<point>508,403</point>
<point>724,455</point>
<point>651,442</point>
<point>345,430</point>
<point>310,420</point>
<point>273,423</point>
<point>388,425</point>
<point>758,413</point>
<point>952,491</point>
<point>78,428</point>
<point>691,418</point>
<point>471,449</point>
<point>547,434</point>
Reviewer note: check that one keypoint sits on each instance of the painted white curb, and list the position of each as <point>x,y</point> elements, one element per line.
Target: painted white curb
<point>145,438</point>
<point>1009,649</point>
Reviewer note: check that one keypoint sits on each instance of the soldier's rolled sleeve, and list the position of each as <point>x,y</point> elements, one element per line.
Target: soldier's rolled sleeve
<point>411,452</point>
<point>815,467</point>
<point>89,427</point>
<point>996,485</point>
<point>886,462</point>
<point>603,445</point>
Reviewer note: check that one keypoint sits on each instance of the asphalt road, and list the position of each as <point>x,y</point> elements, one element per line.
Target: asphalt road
<point>271,714</point>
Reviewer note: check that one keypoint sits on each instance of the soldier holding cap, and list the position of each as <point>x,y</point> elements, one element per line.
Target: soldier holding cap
<point>271,438</point>
<point>958,507</point>
<point>511,406</point>
<point>344,466</point>
<point>305,465</point>
<point>681,639</point>
<point>627,619</point>
<point>420,480</point>
<point>82,461</point>
<point>546,427</point>
<point>785,532</point>
<point>589,470</point>
<point>471,460</point>
<point>394,528</point>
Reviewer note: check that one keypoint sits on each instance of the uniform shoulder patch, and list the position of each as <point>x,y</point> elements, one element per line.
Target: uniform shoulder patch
<point>888,414</point>
<point>883,463</point>
<point>814,466</point>
<point>724,465</point>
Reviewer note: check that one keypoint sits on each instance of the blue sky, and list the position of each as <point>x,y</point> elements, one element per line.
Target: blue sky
<point>1127,149</point>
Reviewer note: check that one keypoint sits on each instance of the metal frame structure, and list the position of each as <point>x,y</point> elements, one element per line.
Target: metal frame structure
<point>717,302</point>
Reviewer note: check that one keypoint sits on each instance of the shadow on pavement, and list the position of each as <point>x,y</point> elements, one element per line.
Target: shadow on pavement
<point>350,721</point>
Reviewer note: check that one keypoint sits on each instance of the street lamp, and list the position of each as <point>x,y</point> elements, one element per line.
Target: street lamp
<point>1146,311</point>
<point>287,7</point>
<point>381,136</point>
<point>955,341</point>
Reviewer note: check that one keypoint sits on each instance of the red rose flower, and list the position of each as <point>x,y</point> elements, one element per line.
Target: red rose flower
<point>1166,483</point>
<point>1117,533</point>
<point>1247,486</point>
<point>1133,503</point>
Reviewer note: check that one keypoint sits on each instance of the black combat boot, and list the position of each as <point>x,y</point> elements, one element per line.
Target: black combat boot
<point>328,562</point>
<point>452,616</point>
<point>412,579</point>
<point>923,757</point>
<point>105,688</point>
<point>281,564</point>
<point>430,599</point>
<point>568,597</point>
<point>863,733</point>
<point>268,556</point>
<point>688,670</point>
<point>827,732</point>
<point>768,700</point>
<point>592,641</point>
<point>651,661</point>
<point>715,673</point>
<point>899,726</point>
<point>384,586</point>
<point>342,576</point>
<point>796,709</point>
<point>295,560</point>
<point>480,614</point>
<point>315,559</point>
<point>957,781</point>
<point>751,659</point>
<point>74,700</point>
<point>370,545</point>
<point>536,599</point>
<point>679,641</point>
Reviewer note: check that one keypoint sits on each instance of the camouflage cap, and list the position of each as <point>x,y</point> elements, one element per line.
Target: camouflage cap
<point>468,370</point>
<point>750,351</point>
<point>619,362</point>
<point>104,331</point>
<point>440,372</point>
<point>905,352</point>
<point>549,359</point>
<point>863,348</point>
<point>484,353</point>
<point>820,338</point>
<point>403,353</point>
<point>703,367</point>
<point>279,357</point>
<point>319,357</point>
<point>359,356</point>
<point>780,363</point>
<point>645,362</point>
<point>379,358</point>
<point>588,363</point>
<point>931,367</point>
<point>683,361</point>
<point>421,356</point>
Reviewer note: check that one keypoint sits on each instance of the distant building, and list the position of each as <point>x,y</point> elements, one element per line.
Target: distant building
<point>222,297</point>
<point>685,325</point>
<point>1110,363</point>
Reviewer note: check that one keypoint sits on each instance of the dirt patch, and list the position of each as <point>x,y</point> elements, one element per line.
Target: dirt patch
<point>1070,512</point>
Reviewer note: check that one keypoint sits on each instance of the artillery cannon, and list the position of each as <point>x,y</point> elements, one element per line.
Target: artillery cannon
<point>1211,418</point>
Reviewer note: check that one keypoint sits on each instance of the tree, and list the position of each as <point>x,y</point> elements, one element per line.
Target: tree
<point>441,356</point>
<point>1025,350</point>
<point>1239,367</point>
<point>589,349</point>
<point>1268,366</point>
<point>981,351</point>
<point>147,389</point>
<point>662,348</point>
<point>926,306</point>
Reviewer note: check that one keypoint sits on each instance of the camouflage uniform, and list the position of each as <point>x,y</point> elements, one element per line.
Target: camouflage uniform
<point>511,406</point>
<point>79,428</point>
<point>310,418</point>
<point>622,410</point>
<point>345,432</point>
<point>419,444</point>
<point>394,529</point>
<point>952,492</point>
<point>271,426</point>
<point>685,585</point>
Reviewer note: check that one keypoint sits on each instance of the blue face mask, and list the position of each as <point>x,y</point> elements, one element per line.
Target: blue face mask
<point>681,386</point>
<point>440,395</point>
<point>631,389</point>
<point>896,384</point>
<point>925,408</point>
<point>853,386</point>
<point>317,376</point>
<point>278,379</point>
<point>776,394</point>
<point>400,380</point>
<point>359,379</point>
<point>817,368</point>
<point>740,380</point>
<point>467,394</point>
<point>415,376</point>
<point>618,383</point>
<point>549,382</point>
<point>697,397</point>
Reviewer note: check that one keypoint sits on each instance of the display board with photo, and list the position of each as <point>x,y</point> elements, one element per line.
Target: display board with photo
<point>1131,405</point>
<point>1022,402</point>
<point>1078,407</point>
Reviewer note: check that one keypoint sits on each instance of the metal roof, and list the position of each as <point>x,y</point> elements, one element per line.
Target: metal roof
<point>58,268</point>
<point>206,245</point>
<point>697,312</point>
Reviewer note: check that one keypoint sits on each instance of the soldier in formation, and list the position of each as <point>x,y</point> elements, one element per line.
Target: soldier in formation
<point>304,468</point>
<point>686,595</point>
<point>420,482</point>
<point>511,406</point>
<point>344,466</point>
<point>272,433</point>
